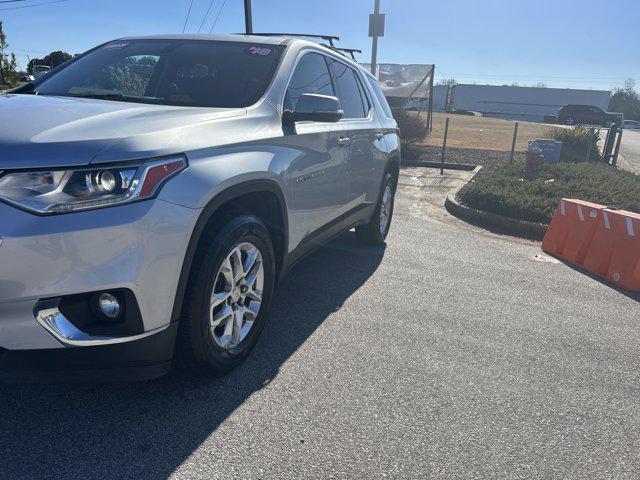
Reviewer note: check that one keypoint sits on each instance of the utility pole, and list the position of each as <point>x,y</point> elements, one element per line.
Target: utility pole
<point>376,29</point>
<point>374,41</point>
<point>248,18</point>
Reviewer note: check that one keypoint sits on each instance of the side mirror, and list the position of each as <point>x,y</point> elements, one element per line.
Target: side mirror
<point>312,107</point>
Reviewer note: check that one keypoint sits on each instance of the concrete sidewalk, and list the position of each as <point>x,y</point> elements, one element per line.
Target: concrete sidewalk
<point>629,158</point>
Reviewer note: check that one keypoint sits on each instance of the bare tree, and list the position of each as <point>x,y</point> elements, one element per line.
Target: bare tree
<point>451,82</point>
<point>630,85</point>
<point>3,46</point>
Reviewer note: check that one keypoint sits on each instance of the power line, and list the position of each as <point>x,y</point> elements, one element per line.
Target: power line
<point>187,19</point>
<point>217,16</point>
<point>440,71</point>
<point>31,51</point>
<point>546,76</point>
<point>206,15</point>
<point>32,5</point>
<point>12,1</point>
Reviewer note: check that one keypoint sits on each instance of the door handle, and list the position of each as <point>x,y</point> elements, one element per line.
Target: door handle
<point>344,141</point>
<point>379,135</point>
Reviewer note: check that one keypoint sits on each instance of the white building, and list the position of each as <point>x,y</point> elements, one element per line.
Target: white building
<point>523,103</point>
<point>440,93</point>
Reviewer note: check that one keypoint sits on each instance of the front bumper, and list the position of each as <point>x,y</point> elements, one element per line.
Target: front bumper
<point>139,247</point>
<point>142,359</point>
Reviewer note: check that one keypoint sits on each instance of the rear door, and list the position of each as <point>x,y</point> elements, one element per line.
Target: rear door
<point>585,115</point>
<point>318,156</point>
<point>597,116</point>
<point>359,129</point>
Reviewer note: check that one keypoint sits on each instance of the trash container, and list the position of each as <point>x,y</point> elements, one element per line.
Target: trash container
<point>550,149</point>
<point>532,162</point>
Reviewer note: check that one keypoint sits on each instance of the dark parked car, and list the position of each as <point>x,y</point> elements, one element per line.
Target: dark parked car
<point>587,115</point>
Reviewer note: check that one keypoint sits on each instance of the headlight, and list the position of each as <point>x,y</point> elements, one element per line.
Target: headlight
<point>61,191</point>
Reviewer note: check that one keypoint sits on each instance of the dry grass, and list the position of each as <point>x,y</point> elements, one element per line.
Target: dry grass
<point>483,133</point>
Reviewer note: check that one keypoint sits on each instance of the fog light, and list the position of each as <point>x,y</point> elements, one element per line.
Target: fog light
<point>109,305</point>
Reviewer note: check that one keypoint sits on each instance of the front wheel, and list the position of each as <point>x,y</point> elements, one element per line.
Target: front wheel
<point>228,296</point>
<point>375,232</point>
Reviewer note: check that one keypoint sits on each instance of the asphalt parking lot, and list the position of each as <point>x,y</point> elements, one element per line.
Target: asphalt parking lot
<point>451,353</point>
<point>630,150</point>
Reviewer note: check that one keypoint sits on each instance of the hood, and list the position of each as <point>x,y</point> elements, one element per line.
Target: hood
<point>42,131</point>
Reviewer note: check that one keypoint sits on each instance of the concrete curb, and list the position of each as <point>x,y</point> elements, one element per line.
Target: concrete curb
<point>491,221</point>
<point>446,166</point>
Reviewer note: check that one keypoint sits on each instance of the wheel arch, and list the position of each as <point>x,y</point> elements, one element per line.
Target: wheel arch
<point>392,167</point>
<point>236,196</point>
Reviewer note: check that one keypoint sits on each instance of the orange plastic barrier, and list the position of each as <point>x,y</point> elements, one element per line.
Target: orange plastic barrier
<point>603,241</point>
<point>602,245</point>
<point>572,229</point>
<point>624,264</point>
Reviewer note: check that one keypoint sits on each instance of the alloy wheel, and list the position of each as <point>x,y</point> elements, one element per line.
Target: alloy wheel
<point>385,209</point>
<point>237,295</point>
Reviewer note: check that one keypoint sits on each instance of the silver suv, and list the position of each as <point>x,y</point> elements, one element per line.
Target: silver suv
<point>155,189</point>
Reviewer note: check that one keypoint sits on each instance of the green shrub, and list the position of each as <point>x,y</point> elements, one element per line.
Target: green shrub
<point>412,128</point>
<point>504,191</point>
<point>577,143</point>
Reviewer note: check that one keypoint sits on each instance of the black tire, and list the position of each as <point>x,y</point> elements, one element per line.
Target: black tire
<point>196,348</point>
<point>371,233</point>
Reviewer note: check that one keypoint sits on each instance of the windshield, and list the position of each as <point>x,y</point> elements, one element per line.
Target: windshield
<point>199,73</point>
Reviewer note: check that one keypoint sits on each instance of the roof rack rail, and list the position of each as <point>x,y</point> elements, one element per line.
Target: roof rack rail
<point>328,38</point>
<point>345,52</point>
<point>350,51</point>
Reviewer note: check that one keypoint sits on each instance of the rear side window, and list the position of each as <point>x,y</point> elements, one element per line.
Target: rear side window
<point>348,90</point>
<point>310,76</point>
<point>380,95</point>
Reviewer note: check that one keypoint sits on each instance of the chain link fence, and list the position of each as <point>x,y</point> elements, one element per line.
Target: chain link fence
<point>493,142</point>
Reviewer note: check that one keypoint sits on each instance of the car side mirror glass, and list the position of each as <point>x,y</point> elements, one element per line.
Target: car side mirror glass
<point>312,107</point>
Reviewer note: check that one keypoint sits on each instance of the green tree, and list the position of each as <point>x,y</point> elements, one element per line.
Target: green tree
<point>10,67</point>
<point>8,62</point>
<point>52,60</point>
<point>626,100</point>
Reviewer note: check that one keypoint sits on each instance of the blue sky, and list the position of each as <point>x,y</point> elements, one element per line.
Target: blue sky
<point>562,43</point>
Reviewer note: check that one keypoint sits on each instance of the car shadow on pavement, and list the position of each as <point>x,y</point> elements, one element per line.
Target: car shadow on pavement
<point>148,429</point>
<point>627,293</point>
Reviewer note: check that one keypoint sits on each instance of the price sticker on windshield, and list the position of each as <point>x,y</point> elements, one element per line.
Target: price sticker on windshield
<point>260,51</point>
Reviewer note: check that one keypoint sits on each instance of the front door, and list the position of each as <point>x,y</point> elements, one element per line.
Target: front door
<point>319,155</point>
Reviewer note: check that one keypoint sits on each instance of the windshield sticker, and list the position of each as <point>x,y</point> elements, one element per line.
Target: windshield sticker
<point>261,51</point>
<point>116,46</point>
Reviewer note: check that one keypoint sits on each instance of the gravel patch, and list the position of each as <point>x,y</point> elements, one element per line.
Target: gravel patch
<point>490,159</point>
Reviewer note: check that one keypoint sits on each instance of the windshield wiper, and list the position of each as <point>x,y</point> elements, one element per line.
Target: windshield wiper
<point>119,97</point>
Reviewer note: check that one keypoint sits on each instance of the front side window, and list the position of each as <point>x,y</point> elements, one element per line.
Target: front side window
<point>348,90</point>
<point>170,72</point>
<point>310,76</point>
